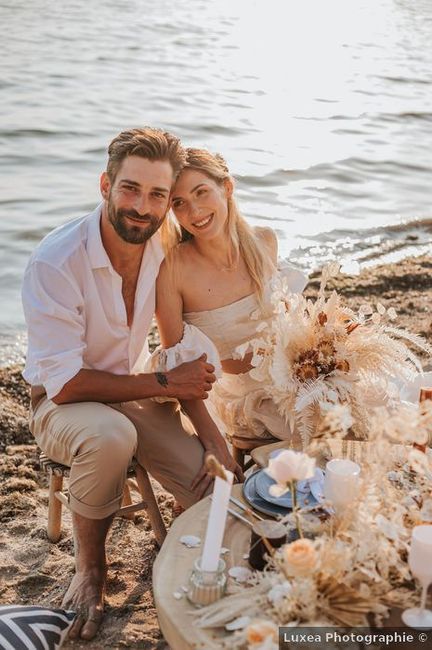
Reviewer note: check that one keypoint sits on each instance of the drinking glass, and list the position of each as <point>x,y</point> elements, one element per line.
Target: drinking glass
<point>420,563</point>
<point>341,482</point>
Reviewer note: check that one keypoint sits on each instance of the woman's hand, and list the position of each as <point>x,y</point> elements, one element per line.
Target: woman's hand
<point>203,480</point>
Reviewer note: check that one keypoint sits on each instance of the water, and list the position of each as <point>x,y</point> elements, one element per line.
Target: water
<point>322,108</point>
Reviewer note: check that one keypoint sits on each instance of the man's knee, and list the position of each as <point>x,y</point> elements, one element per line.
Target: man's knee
<point>112,439</point>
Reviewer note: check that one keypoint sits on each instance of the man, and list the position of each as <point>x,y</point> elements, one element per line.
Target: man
<point>88,295</point>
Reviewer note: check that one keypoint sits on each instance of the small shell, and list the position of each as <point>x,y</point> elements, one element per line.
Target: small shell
<point>246,556</point>
<point>224,550</point>
<point>185,589</point>
<point>191,541</point>
<point>238,623</point>
<point>177,595</point>
<point>240,573</point>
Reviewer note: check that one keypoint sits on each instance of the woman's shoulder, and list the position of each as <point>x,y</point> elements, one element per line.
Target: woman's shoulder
<point>268,237</point>
<point>175,263</point>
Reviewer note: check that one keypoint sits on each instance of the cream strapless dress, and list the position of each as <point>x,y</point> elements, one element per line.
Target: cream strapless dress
<point>239,404</point>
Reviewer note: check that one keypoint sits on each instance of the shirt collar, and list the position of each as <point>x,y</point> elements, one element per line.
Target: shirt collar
<point>95,249</point>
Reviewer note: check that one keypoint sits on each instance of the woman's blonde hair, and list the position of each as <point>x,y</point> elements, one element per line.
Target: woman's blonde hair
<point>243,240</point>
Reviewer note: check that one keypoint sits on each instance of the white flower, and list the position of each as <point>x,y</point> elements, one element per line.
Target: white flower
<point>278,592</point>
<point>381,309</point>
<point>289,466</point>
<point>391,313</point>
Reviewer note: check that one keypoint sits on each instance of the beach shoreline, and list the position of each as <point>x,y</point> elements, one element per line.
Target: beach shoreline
<point>34,571</point>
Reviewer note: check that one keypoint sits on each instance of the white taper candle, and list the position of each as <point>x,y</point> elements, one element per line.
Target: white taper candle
<point>216,522</point>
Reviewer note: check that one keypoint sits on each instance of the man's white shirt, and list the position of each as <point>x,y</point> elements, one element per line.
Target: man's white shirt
<point>74,307</point>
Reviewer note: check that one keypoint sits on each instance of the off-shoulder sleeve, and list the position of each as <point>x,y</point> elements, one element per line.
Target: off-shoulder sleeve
<point>193,344</point>
<point>294,279</point>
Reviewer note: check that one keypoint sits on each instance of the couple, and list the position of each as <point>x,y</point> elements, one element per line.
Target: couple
<point>89,294</point>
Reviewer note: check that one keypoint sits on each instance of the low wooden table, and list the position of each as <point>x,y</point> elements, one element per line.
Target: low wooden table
<point>174,563</point>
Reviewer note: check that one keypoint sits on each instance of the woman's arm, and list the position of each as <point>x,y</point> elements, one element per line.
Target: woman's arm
<point>169,315</point>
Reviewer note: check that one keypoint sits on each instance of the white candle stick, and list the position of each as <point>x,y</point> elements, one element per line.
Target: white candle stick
<point>216,522</point>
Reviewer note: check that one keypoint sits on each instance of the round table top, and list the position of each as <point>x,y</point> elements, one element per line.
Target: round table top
<point>173,567</point>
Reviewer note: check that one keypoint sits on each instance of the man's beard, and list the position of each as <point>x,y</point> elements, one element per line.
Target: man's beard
<point>127,231</point>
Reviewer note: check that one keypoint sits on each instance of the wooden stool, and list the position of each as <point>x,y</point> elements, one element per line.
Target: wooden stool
<point>242,446</point>
<point>57,498</point>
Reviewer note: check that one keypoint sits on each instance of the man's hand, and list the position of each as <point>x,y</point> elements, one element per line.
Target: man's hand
<point>191,380</point>
<point>202,480</point>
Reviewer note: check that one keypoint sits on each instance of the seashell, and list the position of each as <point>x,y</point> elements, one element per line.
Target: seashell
<point>246,556</point>
<point>240,573</point>
<point>191,541</point>
<point>224,550</point>
<point>177,595</point>
<point>238,623</point>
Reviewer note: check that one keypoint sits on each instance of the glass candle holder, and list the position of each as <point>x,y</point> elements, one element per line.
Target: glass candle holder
<point>205,587</point>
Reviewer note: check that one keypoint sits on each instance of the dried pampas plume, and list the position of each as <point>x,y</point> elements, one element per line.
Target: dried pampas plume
<point>214,468</point>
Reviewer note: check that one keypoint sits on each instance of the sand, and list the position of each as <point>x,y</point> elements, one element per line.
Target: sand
<point>34,571</point>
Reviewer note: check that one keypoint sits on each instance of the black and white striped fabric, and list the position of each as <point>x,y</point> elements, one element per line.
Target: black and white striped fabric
<point>30,627</point>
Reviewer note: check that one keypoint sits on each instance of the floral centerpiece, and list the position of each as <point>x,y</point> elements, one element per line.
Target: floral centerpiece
<point>312,354</point>
<point>354,567</point>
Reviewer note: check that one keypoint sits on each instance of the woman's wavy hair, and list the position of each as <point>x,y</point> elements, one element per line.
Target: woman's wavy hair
<point>243,240</point>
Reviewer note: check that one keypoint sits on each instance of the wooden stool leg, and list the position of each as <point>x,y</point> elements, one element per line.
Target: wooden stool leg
<point>148,496</point>
<point>127,501</point>
<point>54,508</point>
<point>238,455</point>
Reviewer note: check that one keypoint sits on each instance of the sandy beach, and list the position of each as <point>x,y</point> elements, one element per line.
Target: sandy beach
<point>35,571</point>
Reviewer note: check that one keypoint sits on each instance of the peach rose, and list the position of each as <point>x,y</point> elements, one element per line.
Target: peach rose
<point>260,631</point>
<point>300,557</point>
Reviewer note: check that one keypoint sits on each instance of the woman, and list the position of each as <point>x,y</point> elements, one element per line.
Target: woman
<point>213,291</point>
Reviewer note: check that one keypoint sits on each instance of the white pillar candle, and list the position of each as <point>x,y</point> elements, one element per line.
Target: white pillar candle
<point>216,522</point>
<point>341,481</point>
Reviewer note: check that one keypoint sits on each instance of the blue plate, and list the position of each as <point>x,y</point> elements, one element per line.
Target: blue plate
<point>263,482</point>
<point>257,502</point>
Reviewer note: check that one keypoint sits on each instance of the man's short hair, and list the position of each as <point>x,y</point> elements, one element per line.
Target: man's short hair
<point>152,144</point>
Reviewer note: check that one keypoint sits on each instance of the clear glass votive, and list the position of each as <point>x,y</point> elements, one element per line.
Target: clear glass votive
<point>205,587</point>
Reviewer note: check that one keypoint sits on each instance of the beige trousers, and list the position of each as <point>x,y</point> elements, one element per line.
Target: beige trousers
<point>98,442</point>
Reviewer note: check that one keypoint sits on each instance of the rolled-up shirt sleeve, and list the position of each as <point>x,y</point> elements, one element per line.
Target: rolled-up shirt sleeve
<point>53,308</point>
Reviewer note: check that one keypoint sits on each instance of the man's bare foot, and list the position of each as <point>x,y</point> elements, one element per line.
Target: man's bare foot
<point>86,592</point>
<point>85,596</point>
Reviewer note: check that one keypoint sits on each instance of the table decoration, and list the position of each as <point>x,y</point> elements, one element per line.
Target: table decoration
<point>206,587</point>
<point>265,536</point>
<point>217,516</point>
<point>341,482</point>
<point>420,563</point>
<point>287,468</point>
<point>313,355</point>
<point>356,568</point>
<point>207,582</point>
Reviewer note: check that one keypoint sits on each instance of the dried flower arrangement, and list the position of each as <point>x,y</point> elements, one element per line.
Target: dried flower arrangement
<point>313,354</point>
<point>356,565</point>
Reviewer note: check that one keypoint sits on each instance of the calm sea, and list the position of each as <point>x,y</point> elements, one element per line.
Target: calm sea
<point>323,109</point>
